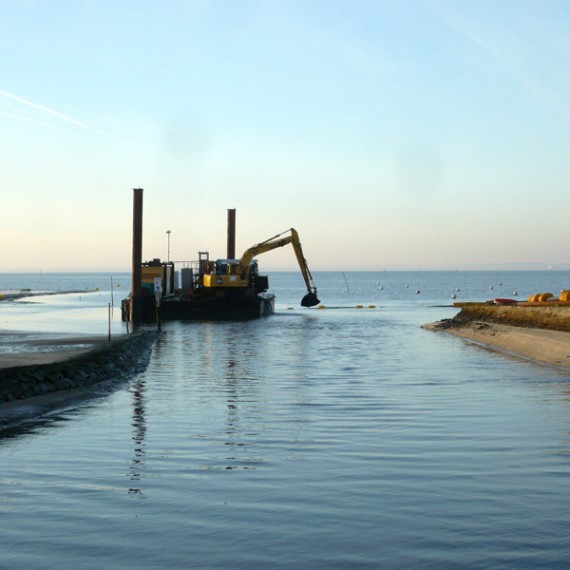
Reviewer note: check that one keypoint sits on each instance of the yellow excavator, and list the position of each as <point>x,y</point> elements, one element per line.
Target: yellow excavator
<point>237,273</point>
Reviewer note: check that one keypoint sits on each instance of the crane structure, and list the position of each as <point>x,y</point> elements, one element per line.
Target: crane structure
<point>204,289</point>
<point>241,273</point>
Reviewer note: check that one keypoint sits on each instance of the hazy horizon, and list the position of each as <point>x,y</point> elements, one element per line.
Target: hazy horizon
<point>292,269</point>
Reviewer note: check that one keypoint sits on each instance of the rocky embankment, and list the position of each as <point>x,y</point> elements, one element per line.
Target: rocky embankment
<point>117,359</point>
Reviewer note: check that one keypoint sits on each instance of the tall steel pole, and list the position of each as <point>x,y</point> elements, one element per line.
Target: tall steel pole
<point>136,290</point>
<point>231,250</point>
<point>168,232</point>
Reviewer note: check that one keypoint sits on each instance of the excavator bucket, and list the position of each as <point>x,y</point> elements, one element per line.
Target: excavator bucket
<point>310,300</point>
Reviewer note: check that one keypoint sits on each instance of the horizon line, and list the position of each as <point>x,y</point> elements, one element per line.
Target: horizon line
<point>293,269</point>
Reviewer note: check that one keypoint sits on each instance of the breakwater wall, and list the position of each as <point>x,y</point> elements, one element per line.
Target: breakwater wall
<point>553,318</point>
<point>118,359</point>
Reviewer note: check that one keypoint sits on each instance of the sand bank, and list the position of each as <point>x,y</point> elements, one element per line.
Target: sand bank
<point>549,347</point>
<point>20,349</point>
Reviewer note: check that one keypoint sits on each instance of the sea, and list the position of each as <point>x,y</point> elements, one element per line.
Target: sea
<point>338,437</point>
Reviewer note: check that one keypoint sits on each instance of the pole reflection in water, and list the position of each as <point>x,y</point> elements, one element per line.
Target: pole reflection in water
<point>139,432</point>
<point>234,372</point>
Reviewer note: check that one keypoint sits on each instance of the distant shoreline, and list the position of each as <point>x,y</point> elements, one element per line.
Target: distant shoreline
<point>14,295</point>
<point>534,268</point>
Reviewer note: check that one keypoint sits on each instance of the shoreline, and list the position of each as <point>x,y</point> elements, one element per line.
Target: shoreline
<point>544,346</point>
<point>20,348</point>
<point>72,362</point>
<point>23,349</point>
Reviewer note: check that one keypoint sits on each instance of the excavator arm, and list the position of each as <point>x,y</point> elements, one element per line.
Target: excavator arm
<point>310,299</point>
<point>243,267</point>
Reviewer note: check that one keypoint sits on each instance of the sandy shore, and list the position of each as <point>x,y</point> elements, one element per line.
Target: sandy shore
<point>540,345</point>
<point>20,349</point>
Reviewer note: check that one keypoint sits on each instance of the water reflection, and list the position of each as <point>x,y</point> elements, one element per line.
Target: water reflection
<point>250,358</point>
<point>237,356</point>
<point>139,432</point>
<point>16,427</point>
<point>34,416</point>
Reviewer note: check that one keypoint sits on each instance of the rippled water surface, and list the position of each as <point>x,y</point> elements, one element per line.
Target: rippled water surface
<point>335,438</point>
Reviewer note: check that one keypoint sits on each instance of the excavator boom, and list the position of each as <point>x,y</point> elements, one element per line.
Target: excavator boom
<point>240,271</point>
<point>267,245</point>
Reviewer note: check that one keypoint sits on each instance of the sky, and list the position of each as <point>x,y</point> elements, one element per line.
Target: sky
<point>412,134</point>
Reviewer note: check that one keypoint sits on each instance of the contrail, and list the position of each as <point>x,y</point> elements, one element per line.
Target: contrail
<point>34,122</point>
<point>54,113</point>
<point>67,119</point>
<point>511,61</point>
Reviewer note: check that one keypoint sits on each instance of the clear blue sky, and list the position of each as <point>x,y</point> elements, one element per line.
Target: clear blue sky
<point>390,134</point>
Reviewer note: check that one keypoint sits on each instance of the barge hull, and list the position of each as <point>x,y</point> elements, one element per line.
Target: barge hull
<point>210,309</point>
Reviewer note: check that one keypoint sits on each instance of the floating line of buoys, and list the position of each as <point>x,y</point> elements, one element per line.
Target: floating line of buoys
<point>324,307</point>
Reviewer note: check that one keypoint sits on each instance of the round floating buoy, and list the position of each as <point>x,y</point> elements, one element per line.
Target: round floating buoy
<point>515,293</point>
<point>417,292</point>
<point>453,296</point>
<point>491,287</point>
<point>458,289</point>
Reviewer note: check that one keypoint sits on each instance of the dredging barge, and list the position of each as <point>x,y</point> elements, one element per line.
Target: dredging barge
<point>222,289</point>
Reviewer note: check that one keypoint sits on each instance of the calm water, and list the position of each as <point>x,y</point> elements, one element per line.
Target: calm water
<point>336,438</point>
